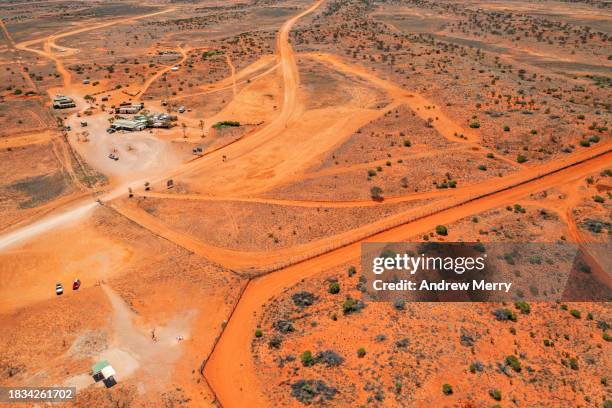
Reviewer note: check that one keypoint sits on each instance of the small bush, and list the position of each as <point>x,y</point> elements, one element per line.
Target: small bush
<point>330,358</point>
<point>599,199</point>
<point>521,159</point>
<point>476,366</point>
<point>573,364</point>
<point>361,352</point>
<point>576,313</point>
<point>505,314</point>
<point>307,359</point>
<point>275,342</point>
<point>407,143</point>
<point>403,343</point>
<point>524,307</point>
<point>351,271</point>
<point>309,391</point>
<point>495,394</point>
<point>513,363</point>
<point>351,305</point>
<point>334,288</point>
<point>482,167</point>
<point>258,333</point>
<point>283,326</point>
<point>303,299</point>
<point>376,193</point>
<point>441,230</point>
<point>447,389</point>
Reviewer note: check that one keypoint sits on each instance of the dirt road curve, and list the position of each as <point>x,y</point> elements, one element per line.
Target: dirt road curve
<point>230,366</point>
<point>49,42</point>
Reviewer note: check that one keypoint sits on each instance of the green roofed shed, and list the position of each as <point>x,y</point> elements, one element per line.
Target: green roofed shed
<point>96,368</point>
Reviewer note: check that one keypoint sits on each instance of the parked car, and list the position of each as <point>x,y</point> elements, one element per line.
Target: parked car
<point>59,289</point>
<point>76,284</point>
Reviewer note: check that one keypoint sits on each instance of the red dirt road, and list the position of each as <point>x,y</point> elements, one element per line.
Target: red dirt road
<point>230,369</point>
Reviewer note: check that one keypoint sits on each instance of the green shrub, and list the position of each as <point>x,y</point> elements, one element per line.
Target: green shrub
<point>334,288</point>
<point>606,336</point>
<point>407,143</point>
<point>307,359</point>
<point>506,128</point>
<point>441,230</point>
<point>521,159</point>
<point>576,313</point>
<point>474,124</point>
<point>482,167</point>
<point>573,363</point>
<point>524,307</point>
<point>258,333</point>
<point>513,363</point>
<point>226,124</point>
<point>376,193</point>
<point>351,271</point>
<point>371,173</point>
<point>351,305</point>
<point>447,389</point>
<point>495,394</point>
<point>548,343</point>
<point>361,352</point>
<point>598,199</point>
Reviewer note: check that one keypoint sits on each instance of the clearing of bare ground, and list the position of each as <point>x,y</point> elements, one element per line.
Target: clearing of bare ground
<point>396,176</point>
<point>263,226</point>
<point>156,335</point>
<point>34,175</point>
<point>396,134</point>
<point>323,87</point>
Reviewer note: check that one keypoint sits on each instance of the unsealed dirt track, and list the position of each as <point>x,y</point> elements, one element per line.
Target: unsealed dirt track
<point>230,370</point>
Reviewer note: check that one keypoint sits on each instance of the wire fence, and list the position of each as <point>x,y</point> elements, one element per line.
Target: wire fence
<point>394,222</point>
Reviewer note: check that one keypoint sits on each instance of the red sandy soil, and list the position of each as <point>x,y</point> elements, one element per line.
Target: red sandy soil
<point>176,280</point>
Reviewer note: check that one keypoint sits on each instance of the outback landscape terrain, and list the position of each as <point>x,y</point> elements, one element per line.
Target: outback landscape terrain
<point>208,171</point>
